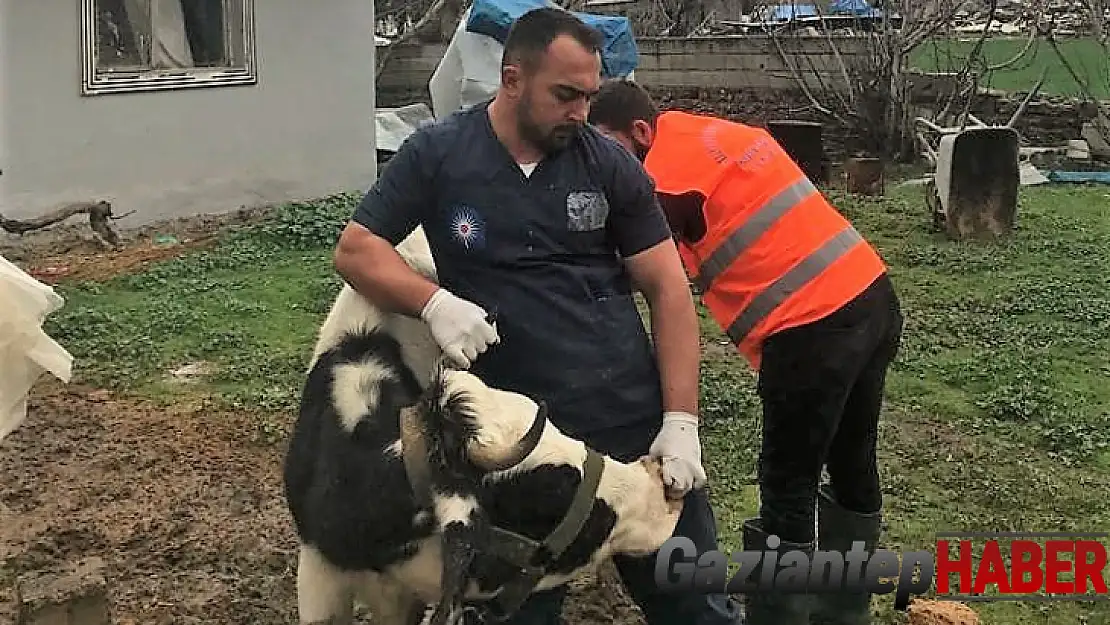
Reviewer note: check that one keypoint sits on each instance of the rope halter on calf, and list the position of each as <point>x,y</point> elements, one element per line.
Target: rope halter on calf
<point>530,557</point>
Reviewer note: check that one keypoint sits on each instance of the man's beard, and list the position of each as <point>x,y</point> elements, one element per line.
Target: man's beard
<point>555,140</point>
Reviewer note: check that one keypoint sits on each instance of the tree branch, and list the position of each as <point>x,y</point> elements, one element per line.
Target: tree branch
<point>935,23</point>
<point>99,215</point>
<point>432,13</point>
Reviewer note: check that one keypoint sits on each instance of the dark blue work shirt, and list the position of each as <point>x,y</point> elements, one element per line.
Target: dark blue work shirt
<point>543,251</point>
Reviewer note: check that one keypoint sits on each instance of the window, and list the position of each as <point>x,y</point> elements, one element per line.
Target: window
<point>150,45</point>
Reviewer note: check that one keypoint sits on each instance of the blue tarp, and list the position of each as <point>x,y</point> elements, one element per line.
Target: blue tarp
<point>619,55</point>
<point>1102,177</point>
<point>787,12</point>
<point>859,8</point>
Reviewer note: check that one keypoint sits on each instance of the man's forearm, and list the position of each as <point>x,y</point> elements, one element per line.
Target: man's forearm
<point>376,271</point>
<point>674,328</point>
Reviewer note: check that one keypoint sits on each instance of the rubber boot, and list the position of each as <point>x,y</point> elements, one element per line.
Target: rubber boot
<point>773,608</point>
<point>837,529</point>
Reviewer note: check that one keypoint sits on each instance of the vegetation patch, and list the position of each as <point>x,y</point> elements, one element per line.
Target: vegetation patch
<point>1085,55</point>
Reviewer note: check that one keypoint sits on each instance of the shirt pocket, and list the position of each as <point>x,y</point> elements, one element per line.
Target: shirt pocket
<point>586,210</point>
<point>582,220</point>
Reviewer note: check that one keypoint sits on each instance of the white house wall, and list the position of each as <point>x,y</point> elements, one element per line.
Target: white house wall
<point>306,128</point>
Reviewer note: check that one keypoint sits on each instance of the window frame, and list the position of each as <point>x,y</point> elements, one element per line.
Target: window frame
<point>104,83</point>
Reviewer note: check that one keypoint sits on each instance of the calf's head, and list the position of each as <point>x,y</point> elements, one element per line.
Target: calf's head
<point>527,471</point>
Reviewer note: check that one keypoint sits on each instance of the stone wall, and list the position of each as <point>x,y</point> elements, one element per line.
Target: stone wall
<point>1047,121</point>
<point>750,62</point>
<point>755,107</point>
<point>742,78</point>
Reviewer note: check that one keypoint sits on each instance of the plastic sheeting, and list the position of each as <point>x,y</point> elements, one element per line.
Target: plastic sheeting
<point>26,351</point>
<point>859,8</point>
<point>470,70</point>
<point>788,12</point>
<point>468,73</point>
<point>619,54</point>
<point>393,126</point>
<point>1100,177</point>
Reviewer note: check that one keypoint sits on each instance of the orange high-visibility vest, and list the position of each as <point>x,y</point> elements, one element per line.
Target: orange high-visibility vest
<point>776,254</point>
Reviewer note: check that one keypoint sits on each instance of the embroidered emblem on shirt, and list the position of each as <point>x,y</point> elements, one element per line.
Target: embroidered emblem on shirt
<point>467,227</point>
<point>586,210</point>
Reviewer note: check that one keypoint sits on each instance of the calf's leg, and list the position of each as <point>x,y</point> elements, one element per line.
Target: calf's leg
<point>324,594</point>
<point>390,603</point>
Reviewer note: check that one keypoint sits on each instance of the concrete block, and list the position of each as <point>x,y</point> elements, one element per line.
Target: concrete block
<point>1099,146</point>
<point>77,596</point>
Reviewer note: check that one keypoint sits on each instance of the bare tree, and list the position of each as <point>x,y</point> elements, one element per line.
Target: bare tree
<point>675,18</point>
<point>100,217</point>
<point>427,21</point>
<point>1096,14</point>
<point>435,23</point>
<point>868,85</point>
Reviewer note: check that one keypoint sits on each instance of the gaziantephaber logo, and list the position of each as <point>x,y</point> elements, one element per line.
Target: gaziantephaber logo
<point>1047,566</point>
<point>986,567</point>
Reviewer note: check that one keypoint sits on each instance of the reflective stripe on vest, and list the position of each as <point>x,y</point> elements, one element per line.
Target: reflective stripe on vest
<point>750,187</point>
<point>739,241</point>
<point>770,298</point>
<point>752,229</point>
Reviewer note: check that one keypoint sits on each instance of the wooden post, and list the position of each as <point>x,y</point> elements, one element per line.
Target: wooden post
<point>864,176</point>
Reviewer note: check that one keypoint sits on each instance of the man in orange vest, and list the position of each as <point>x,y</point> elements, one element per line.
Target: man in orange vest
<point>806,300</point>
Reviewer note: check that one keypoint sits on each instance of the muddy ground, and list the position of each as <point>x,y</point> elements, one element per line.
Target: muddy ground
<point>182,506</point>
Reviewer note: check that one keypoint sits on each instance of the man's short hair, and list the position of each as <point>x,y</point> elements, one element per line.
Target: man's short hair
<point>619,103</point>
<point>533,32</point>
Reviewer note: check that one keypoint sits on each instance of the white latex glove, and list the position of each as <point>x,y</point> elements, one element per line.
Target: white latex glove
<point>679,447</point>
<point>459,327</point>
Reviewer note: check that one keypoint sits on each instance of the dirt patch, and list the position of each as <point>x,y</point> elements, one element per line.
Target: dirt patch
<point>186,512</point>
<point>104,265</point>
<point>599,599</point>
<point>183,507</point>
<point>941,613</point>
<point>70,251</point>
<point>915,429</point>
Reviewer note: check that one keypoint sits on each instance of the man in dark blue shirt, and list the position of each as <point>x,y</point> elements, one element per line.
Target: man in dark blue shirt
<point>534,215</point>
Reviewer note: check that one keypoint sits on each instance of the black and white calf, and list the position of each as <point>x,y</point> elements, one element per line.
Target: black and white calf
<point>412,485</point>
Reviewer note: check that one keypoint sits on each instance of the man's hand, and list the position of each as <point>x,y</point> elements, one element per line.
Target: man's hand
<point>679,447</point>
<point>459,327</point>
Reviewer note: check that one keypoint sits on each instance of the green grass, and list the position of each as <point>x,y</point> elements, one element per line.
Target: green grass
<point>251,307</point>
<point>1087,58</point>
<point>998,414</point>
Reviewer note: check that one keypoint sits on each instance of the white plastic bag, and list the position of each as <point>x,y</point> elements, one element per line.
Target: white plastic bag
<point>469,72</point>
<point>26,351</point>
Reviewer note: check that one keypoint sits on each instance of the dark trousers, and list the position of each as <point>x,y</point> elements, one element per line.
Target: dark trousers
<point>822,390</point>
<point>660,608</point>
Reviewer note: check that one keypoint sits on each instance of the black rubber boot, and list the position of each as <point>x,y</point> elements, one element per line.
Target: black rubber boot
<point>837,529</point>
<point>773,608</point>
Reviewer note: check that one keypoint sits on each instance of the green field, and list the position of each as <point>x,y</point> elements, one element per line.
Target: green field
<point>1086,57</point>
<point>998,414</point>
